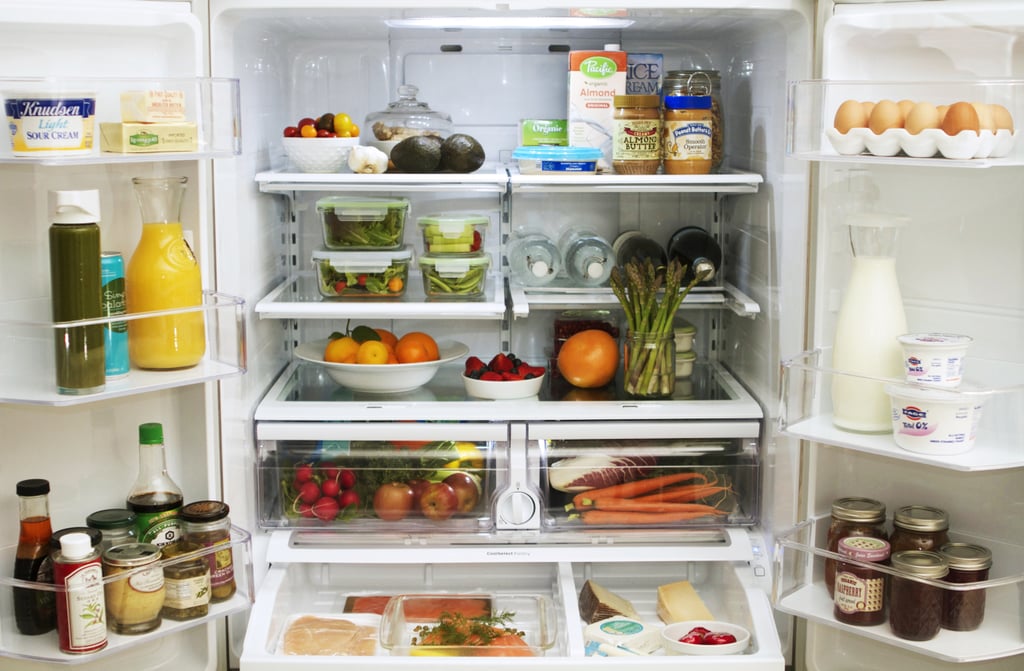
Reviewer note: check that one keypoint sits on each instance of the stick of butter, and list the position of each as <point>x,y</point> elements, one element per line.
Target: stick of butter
<point>144,138</point>
<point>152,105</point>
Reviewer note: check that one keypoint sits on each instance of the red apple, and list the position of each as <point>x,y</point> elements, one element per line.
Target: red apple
<point>439,501</point>
<point>466,490</point>
<point>419,485</point>
<point>392,501</point>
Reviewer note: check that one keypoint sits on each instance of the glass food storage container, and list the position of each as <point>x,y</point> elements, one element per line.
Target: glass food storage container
<point>404,118</point>
<point>363,223</point>
<point>453,234</point>
<point>454,278</point>
<point>362,274</point>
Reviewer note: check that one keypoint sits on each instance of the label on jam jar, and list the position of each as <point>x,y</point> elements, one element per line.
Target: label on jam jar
<point>860,590</point>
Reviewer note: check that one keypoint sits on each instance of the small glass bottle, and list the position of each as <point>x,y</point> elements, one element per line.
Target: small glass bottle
<point>81,610</point>
<point>635,246</point>
<point>915,608</point>
<point>117,526</point>
<point>859,591</point>
<point>588,257</point>
<point>852,516</point>
<point>533,260</point>
<point>919,528</point>
<point>206,524</point>
<point>34,610</point>
<point>636,136</point>
<point>965,610</point>
<point>154,498</point>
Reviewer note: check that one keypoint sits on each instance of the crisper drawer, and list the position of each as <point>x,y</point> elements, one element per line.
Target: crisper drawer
<point>402,477</point>
<point>654,475</point>
<point>554,630</point>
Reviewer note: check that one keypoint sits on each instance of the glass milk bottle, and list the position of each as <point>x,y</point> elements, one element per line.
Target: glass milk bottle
<point>588,257</point>
<point>163,274</point>
<point>871,319</point>
<point>533,260</point>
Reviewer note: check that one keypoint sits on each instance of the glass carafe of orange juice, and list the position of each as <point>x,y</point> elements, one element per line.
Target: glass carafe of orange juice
<point>163,274</point>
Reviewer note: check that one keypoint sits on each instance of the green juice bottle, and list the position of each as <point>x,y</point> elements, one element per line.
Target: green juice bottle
<point>76,291</point>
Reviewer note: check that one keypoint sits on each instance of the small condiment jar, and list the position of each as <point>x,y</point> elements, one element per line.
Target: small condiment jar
<point>852,516</point>
<point>206,523</point>
<point>133,599</point>
<point>965,610</point>
<point>915,607</point>
<point>187,581</point>
<point>116,524</point>
<point>860,591</point>
<point>636,136</point>
<point>686,138</point>
<point>919,528</point>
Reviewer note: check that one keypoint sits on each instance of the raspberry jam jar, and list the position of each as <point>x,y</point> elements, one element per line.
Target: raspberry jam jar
<point>965,610</point>
<point>919,528</point>
<point>852,516</point>
<point>859,590</point>
<point>915,607</point>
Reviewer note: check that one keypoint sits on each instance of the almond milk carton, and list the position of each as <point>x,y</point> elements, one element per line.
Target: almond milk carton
<point>595,78</point>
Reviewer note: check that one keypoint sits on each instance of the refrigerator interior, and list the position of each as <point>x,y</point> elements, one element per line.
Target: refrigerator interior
<point>959,271</point>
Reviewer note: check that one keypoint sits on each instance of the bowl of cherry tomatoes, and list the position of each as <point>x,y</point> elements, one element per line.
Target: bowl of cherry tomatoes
<point>320,144</point>
<point>704,637</point>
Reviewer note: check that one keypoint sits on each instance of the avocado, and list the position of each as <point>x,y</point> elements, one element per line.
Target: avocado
<point>461,153</point>
<point>419,153</point>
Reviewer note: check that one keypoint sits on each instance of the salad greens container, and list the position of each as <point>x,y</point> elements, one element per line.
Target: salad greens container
<point>362,274</point>
<point>451,233</point>
<point>454,277</point>
<point>363,223</point>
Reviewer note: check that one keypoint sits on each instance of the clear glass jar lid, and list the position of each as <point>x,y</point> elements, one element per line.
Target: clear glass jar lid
<point>406,117</point>
<point>921,518</point>
<point>858,509</point>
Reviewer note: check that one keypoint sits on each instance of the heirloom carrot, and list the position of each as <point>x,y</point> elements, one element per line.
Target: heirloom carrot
<point>627,490</point>
<point>684,494</point>
<point>633,505</point>
<point>625,517</point>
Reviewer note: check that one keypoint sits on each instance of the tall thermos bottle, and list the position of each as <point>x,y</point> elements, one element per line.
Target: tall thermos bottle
<point>871,319</point>
<point>695,248</point>
<point>76,290</point>
<point>588,257</point>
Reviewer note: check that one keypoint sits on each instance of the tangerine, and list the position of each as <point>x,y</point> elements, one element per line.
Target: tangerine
<point>341,350</point>
<point>387,337</point>
<point>372,352</point>
<point>416,347</point>
<point>589,359</point>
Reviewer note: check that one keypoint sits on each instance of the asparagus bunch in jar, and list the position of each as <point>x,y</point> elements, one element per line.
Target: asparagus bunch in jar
<point>650,296</point>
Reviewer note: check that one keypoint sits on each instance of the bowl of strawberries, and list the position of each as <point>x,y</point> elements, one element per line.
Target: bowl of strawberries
<point>504,377</point>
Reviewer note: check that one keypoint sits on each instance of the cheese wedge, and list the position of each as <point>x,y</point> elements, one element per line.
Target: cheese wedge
<point>599,603</point>
<point>678,601</point>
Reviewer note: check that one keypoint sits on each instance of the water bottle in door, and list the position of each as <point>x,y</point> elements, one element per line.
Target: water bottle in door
<point>533,260</point>
<point>588,257</point>
<point>698,251</point>
<point>871,319</point>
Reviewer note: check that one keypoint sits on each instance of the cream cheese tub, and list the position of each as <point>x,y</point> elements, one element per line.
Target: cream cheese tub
<point>934,421</point>
<point>49,125</point>
<point>934,359</point>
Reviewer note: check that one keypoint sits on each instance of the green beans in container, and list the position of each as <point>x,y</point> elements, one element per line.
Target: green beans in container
<point>352,223</point>
<point>362,274</point>
<point>454,277</point>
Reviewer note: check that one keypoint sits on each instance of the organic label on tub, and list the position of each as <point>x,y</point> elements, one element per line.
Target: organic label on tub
<point>595,78</point>
<point>50,124</point>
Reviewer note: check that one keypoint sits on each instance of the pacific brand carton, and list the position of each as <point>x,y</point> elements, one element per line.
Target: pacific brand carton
<point>595,78</point>
<point>643,75</point>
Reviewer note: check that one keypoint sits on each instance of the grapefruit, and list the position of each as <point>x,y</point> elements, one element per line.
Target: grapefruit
<point>589,359</point>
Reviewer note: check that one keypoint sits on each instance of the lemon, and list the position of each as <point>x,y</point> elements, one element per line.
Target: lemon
<point>470,456</point>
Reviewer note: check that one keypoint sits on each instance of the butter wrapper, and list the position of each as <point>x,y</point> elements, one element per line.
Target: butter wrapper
<point>144,138</point>
<point>154,105</point>
<point>543,132</point>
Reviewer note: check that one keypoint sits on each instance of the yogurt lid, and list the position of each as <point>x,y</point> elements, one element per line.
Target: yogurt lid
<point>920,394</point>
<point>935,339</point>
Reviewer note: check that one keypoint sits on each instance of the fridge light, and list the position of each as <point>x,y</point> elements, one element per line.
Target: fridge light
<point>511,22</point>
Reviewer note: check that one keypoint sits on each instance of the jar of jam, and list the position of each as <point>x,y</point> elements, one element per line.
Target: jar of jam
<point>852,516</point>
<point>964,610</point>
<point>915,607</point>
<point>919,528</point>
<point>859,590</point>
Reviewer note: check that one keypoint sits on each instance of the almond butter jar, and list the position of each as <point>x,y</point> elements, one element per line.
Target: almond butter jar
<point>636,142</point>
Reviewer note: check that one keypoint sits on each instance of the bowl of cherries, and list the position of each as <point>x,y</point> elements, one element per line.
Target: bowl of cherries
<point>704,637</point>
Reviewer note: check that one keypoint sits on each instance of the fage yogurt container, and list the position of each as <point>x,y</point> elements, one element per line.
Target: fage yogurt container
<point>934,421</point>
<point>934,359</point>
<point>44,124</point>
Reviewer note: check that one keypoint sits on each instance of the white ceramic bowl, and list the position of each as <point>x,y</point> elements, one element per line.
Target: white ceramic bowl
<point>381,378</point>
<point>671,634</point>
<point>319,154</point>
<point>503,389</point>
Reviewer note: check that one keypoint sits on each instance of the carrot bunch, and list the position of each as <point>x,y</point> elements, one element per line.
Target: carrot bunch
<point>665,498</point>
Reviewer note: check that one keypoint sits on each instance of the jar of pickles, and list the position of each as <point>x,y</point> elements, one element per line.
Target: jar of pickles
<point>187,581</point>
<point>919,528</point>
<point>206,524</point>
<point>852,516</point>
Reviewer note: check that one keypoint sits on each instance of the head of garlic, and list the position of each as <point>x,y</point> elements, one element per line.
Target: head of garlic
<point>367,160</point>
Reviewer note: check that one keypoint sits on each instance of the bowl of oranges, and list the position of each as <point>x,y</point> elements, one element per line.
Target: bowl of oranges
<point>382,364</point>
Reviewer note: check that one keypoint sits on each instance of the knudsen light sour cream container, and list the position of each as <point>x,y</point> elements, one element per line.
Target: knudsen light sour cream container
<point>44,124</point>
<point>934,421</point>
<point>934,359</point>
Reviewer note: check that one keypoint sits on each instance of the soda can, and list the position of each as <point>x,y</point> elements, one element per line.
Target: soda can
<point>112,278</point>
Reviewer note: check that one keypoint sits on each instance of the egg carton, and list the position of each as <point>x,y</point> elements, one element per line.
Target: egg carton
<point>928,143</point>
